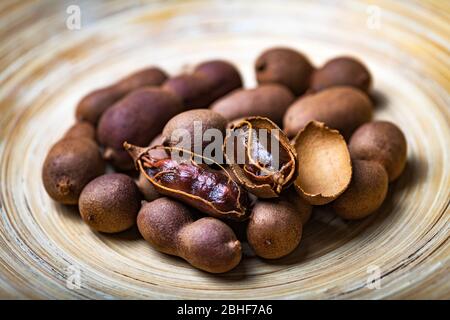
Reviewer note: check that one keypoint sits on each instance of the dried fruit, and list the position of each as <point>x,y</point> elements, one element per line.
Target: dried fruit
<point>268,100</point>
<point>188,129</point>
<point>110,203</point>
<point>93,105</point>
<point>381,141</point>
<point>206,187</point>
<point>209,81</point>
<point>274,229</point>
<point>284,66</point>
<point>342,71</point>
<point>137,118</point>
<point>207,244</point>
<point>69,166</point>
<point>340,108</point>
<point>146,187</point>
<point>366,192</point>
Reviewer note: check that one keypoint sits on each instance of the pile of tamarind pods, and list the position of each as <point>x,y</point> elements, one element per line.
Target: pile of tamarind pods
<point>329,152</point>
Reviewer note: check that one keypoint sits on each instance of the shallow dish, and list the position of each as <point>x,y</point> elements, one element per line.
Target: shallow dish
<point>46,69</point>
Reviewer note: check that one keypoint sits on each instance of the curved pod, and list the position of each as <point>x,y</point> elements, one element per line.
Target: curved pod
<point>340,108</point>
<point>210,190</point>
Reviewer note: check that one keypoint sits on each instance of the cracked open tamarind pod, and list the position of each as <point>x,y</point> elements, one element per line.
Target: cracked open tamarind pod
<point>210,190</point>
<point>145,187</point>
<point>260,156</point>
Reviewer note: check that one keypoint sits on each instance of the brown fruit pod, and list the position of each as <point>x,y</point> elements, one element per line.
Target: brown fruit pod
<point>209,81</point>
<point>139,118</point>
<point>366,191</point>
<point>212,191</point>
<point>340,108</point>
<point>207,243</point>
<point>381,141</point>
<point>145,187</point>
<point>341,71</point>
<point>324,164</point>
<point>265,180</point>
<point>285,66</point>
<point>93,105</point>
<point>69,166</point>
<point>267,100</point>
<point>274,229</point>
<point>110,203</point>
<point>185,123</point>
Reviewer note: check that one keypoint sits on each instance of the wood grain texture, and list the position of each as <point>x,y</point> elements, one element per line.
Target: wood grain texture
<point>45,69</point>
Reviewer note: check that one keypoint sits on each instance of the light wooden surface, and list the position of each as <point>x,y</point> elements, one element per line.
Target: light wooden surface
<point>45,69</point>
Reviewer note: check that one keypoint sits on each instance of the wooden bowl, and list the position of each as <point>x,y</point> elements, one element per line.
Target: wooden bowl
<point>46,68</point>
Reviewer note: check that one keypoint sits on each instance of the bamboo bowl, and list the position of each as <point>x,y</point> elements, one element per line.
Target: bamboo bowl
<point>46,68</point>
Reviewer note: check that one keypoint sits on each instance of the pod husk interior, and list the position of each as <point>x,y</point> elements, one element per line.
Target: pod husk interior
<point>324,164</point>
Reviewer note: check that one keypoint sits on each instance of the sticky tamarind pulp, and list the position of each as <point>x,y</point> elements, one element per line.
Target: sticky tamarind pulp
<point>264,171</point>
<point>208,189</point>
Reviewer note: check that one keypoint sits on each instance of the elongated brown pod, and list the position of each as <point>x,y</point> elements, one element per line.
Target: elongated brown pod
<point>137,118</point>
<point>209,81</point>
<point>341,71</point>
<point>207,243</point>
<point>263,171</point>
<point>340,108</point>
<point>93,105</point>
<point>267,100</point>
<point>210,190</point>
